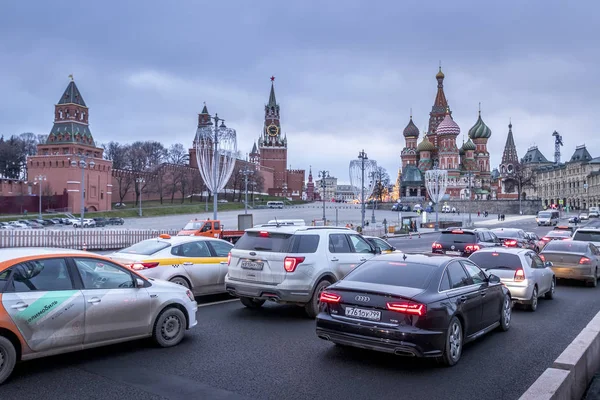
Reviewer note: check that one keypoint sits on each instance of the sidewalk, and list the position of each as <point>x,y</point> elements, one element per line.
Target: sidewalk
<point>514,218</point>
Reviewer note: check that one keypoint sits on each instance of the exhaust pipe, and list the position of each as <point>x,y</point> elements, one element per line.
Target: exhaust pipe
<point>404,353</point>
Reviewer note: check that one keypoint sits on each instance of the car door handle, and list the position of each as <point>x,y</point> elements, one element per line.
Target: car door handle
<point>223,263</point>
<point>363,259</point>
<point>188,263</point>
<point>462,299</point>
<point>335,259</point>
<point>94,300</point>
<point>19,305</point>
<point>483,292</point>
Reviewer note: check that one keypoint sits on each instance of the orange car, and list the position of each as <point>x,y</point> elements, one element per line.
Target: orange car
<point>55,301</point>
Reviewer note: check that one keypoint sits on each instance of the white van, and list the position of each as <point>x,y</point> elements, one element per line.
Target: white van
<point>548,218</point>
<point>594,212</point>
<point>275,204</point>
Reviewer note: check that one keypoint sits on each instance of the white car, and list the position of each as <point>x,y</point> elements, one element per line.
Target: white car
<point>18,225</point>
<point>87,223</point>
<point>293,264</point>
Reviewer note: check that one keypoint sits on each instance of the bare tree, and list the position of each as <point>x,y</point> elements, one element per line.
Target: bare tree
<point>178,155</point>
<point>117,153</point>
<point>382,183</point>
<point>523,177</point>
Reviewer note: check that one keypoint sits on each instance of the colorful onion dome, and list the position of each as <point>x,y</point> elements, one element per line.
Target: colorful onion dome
<point>469,145</point>
<point>461,151</point>
<point>448,126</point>
<point>440,74</point>
<point>425,145</point>
<point>480,130</point>
<point>411,129</point>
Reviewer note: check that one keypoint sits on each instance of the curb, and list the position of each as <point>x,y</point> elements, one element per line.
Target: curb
<point>407,235</point>
<point>573,370</point>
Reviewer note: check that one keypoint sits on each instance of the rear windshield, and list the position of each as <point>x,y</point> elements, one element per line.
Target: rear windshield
<point>393,273</point>
<point>496,260</point>
<point>587,236</point>
<point>274,242</point>
<point>560,234</point>
<point>464,237</point>
<point>506,234</point>
<point>146,247</point>
<point>566,246</point>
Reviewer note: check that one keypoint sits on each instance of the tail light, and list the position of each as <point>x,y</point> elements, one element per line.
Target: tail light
<point>328,297</point>
<point>542,257</point>
<point>585,261</point>
<point>519,275</point>
<point>407,307</point>
<point>470,248</point>
<point>290,263</point>
<point>229,259</point>
<point>436,246</point>
<point>263,234</point>
<point>546,239</point>
<point>510,243</point>
<point>143,265</point>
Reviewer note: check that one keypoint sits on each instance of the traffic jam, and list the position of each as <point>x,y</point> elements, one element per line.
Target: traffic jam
<point>361,291</point>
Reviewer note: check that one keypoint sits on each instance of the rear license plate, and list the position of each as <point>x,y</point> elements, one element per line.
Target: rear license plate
<point>453,253</point>
<point>253,265</point>
<point>366,314</point>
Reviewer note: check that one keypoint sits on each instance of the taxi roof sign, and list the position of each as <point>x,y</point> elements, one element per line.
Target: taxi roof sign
<point>164,236</point>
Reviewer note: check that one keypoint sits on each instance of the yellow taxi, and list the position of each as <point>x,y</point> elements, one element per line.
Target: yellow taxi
<point>385,247</point>
<point>198,263</point>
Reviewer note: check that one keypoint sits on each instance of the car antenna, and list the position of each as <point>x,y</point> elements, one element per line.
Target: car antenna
<point>276,222</point>
<point>404,257</point>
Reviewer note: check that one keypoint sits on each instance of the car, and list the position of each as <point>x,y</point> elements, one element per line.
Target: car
<point>383,245</point>
<point>464,242</point>
<point>57,301</point>
<point>56,221</point>
<point>397,207</point>
<point>573,260</point>
<point>87,223</point>
<point>100,221</point>
<point>416,305</point>
<point>570,229</point>
<point>293,264</point>
<point>198,263</point>
<point>116,221</point>
<point>557,235</point>
<point>584,217</point>
<point>522,271</point>
<point>512,237</point>
<point>536,242</point>
<point>588,235</point>
<point>19,225</point>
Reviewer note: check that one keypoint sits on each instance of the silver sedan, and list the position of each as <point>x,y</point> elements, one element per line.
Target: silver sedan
<point>573,259</point>
<point>522,271</point>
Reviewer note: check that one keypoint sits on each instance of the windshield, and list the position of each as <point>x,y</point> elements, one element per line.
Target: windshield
<point>544,215</point>
<point>567,246</point>
<point>464,237</point>
<point>587,236</point>
<point>393,273</point>
<point>506,233</point>
<point>496,260</point>
<point>192,226</point>
<point>146,247</point>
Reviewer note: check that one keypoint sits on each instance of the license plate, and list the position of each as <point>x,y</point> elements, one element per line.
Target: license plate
<point>453,253</point>
<point>256,266</point>
<point>366,314</point>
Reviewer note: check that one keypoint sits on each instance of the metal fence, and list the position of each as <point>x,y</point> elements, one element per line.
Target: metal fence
<point>105,239</point>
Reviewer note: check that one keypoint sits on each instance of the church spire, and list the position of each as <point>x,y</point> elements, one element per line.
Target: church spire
<point>272,101</point>
<point>510,150</point>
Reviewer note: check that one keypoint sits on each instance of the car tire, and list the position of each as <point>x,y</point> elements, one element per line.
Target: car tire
<point>179,280</point>
<point>312,307</point>
<point>251,303</point>
<point>506,314</point>
<point>169,327</point>
<point>533,303</point>
<point>550,293</point>
<point>594,281</point>
<point>454,343</point>
<point>8,358</point>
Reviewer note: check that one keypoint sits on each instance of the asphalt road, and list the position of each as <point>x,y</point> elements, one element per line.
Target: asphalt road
<point>273,353</point>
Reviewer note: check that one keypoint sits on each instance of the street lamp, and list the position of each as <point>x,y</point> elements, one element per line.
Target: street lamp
<point>373,176</point>
<point>140,182</point>
<point>436,182</point>
<point>83,164</point>
<point>246,172</point>
<point>39,179</point>
<point>323,174</point>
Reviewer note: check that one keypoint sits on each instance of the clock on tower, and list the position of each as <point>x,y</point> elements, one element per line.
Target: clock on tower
<point>273,130</point>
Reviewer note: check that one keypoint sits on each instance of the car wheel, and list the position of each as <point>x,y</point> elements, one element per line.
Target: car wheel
<point>594,281</point>
<point>8,358</point>
<point>169,327</point>
<point>454,343</point>
<point>550,293</point>
<point>249,302</point>
<point>506,316</point>
<point>312,307</point>
<point>533,303</point>
<point>180,281</point>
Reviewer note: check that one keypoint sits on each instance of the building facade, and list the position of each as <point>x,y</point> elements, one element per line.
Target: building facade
<point>468,166</point>
<point>327,188</point>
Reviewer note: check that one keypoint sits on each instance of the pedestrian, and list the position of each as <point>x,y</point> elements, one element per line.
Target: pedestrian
<point>498,216</point>
<point>478,213</point>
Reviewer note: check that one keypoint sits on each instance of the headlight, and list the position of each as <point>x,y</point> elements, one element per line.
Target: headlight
<point>190,295</point>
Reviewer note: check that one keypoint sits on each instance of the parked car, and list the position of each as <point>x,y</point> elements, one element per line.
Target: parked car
<point>588,235</point>
<point>35,225</point>
<point>524,273</point>
<point>195,262</point>
<point>57,300</point>
<point>100,221</point>
<point>19,225</point>
<point>584,217</point>
<point>536,243</point>
<point>383,245</point>
<point>556,235</point>
<point>511,237</point>
<point>292,264</point>
<point>464,242</point>
<point>87,223</point>
<point>57,221</point>
<point>116,221</point>
<point>414,305</point>
<point>397,207</point>
<point>573,260</point>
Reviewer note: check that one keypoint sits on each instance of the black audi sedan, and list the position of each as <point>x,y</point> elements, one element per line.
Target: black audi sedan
<point>417,305</point>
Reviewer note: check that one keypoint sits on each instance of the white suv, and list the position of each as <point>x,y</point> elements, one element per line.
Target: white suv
<point>292,265</point>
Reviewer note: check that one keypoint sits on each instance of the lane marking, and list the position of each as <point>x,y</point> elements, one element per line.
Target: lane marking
<point>217,302</point>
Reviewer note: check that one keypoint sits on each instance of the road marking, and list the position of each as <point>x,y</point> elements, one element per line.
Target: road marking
<point>217,302</point>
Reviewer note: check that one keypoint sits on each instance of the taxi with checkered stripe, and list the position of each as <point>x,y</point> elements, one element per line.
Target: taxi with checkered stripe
<point>198,263</point>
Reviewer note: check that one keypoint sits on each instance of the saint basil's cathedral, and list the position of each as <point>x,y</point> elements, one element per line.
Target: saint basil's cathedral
<point>438,149</point>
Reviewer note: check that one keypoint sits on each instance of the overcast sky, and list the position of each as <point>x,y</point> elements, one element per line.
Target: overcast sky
<point>347,72</point>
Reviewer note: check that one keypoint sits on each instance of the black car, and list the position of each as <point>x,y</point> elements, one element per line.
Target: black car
<point>116,221</point>
<point>512,237</point>
<point>100,221</point>
<point>397,207</point>
<point>464,242</point>
<point>422,305</point>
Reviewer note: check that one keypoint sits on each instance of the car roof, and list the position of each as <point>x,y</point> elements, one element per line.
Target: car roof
<point>418,258</point>
<point>506,229</point>
<point>184,239</point>
<point>295,229</point>
<point>27,253</point>
<point>507,250</point>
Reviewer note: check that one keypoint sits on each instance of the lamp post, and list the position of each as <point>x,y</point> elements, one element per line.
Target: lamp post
<point>39,179</point>
<point>362,157</point>
<point>246,172</point>
<point>373,176</point>
<point>82,164</point>
<point>323,175</point>
<point>469,177</point>
<point>140,182</point>
<point>436,182</point>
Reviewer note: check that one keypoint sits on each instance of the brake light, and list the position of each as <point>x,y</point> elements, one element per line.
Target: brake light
<point>407,308</point>
<point>546,239</point>
<point>263,234</point>
<point>510,242</point>
<point>520,275</point>
<point>290,263</point>
<point>328,297</point>
<point>470,248</point>
<point>436,246</point>
<point>457,231</point>
<point>542,257</point>
<point>585,261</point>
<point>228,259</point>
<point>143,265</point>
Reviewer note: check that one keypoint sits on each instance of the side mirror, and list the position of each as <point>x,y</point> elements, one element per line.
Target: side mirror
<point>393,249</point>
<point>493,279</point>
<point>377,250</point>
<point>548,264</point>
<point>139,283</point>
